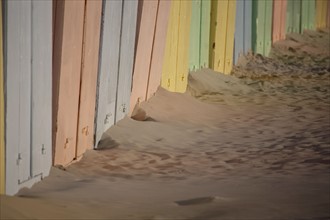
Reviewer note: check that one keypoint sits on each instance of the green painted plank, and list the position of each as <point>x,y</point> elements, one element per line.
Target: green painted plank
<point>195,33</point>
<point>268,27</point>
<point>205,33</point>
<point>307,15</point>
<point>258,26</point>
<point>296,14</point>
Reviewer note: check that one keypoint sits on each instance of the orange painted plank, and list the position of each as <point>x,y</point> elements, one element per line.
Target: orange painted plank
<point>89,72</point>
<point>279,18</point>
<point>159,47</point>
<point>66,77</point>
<point>143,52</point>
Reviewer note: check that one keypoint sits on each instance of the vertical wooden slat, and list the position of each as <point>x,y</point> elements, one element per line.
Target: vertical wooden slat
<point>183,47</point>
<point>92,23</point>
<point>307,14</point>
<point>2,116</point>
<point>279,16</point>
<point>195,35</point>
<point>205,33</point>
<point>18,84</point>
<point>41,87</point>
<point>144,52</point>
<point>171,48</point>
<point>283,20</point>
<point>230,36</point>
<point>108,66</point>
<point>328,13</point>
<point>268,27</point>
<point>239,30</point>
<point>126,57</point>
<point>67,67</point>
<point>213,28</point>
<point>159,47</point>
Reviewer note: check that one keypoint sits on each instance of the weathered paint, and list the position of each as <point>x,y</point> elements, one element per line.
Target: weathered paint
<point>293,16</point>
<point>67,69</point>
<point>170,57</point>
<point>242,28</point>
<point>321,13</point>
<point>224,36</point>
<point>159,47</point>
<point>307,15</point>
<point>279,20</point>
<point>144,51</point>
<point>2,118</point>
<point>108,66</point>
<point>199,34</point>
<point>183,47</point>
<point>262,26</point>
<point>91,38</point>
<point>126,59</point>
<point>28,84</point>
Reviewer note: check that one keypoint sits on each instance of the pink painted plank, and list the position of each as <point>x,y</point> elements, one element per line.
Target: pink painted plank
<point>159,47</point>
<point>279,17</point>
<point>90,60</point>
<point>143,52</point>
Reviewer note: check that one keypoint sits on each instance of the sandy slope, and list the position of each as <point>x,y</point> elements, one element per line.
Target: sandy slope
<point>254,145</point>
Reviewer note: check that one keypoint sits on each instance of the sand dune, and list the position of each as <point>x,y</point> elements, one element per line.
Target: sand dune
<point>254,145</point>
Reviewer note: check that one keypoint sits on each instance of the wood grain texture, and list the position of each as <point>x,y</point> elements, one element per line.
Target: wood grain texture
<point>230,37</point>
<point>2,114</point>
<point>159,47</point>
<point>268,27</point>
<point>144,51</point>
<point>91,39</point>
<point>108,67</point>
<point>171,49</point>
<point>41,133</point>
<point>68,71</point>
<point>183,47</point>
<point>126,59</point>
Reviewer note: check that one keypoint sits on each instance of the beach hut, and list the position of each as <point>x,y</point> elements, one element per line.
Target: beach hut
<point>175,67</point>
<point>27,74</point>
<point>262,26</point>
<point>118,33</point>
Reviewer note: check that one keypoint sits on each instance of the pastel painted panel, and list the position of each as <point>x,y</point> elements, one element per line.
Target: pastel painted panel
<point>2,114</point>
<point>205,33</point>
<point>195,35</point>
<point>157,58</point>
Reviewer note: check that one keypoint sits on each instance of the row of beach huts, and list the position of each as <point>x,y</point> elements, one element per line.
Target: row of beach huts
<point>69,70</point>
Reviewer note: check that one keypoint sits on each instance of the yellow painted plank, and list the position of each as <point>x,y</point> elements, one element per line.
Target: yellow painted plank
<point>183,46</point>
<point>171,48</point>
<point>321,13</point>
<point>2,119</point>
<point>220,36</point>
<point>229,53</point>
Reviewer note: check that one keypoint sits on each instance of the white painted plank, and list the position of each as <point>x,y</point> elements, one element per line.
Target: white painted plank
<point>41,87</point>
<point>108,66</point>
<point>126,58</point>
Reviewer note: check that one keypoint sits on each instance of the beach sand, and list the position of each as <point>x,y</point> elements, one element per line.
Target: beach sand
<point>253,145</point>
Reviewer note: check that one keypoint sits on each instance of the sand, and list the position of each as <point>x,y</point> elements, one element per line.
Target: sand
<point>254,145</point>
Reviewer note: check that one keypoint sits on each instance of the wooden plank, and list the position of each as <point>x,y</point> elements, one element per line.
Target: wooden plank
<point>247,25</point>
<point>2,114</point>
<point>297,16</point>
<point>108,66</point>
<point>195,36</point>
<point>259,26</point>
<point>144,51</point>
<point>321,13</point>
<point>239,30</point>
<point>213,28</point>
<point>289,16</point>
<point>221,36</point>
<point>328,13</point>
<point>205,33</point>
<point>230,36</point>
<point>67,66</point>
<point>171,49</point>
<point>91,39</point>
<point>159,47</point>
<point>183,47</point>
<point>126,61</point>
<point>18,82</point>
<point>41,142</point>
<point>268,27</point>
<point>283,20</point>
<point>279,13</point>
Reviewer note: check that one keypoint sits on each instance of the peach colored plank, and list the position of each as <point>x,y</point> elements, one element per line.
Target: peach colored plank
<point>89,70</point>
<point>159,47</point>
<point>66,71</point>
<point>143,52</point>
<point>279,17</point>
